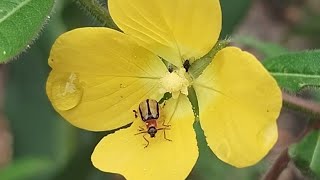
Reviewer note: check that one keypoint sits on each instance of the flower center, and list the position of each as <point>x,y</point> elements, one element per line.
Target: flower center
<point>176,82</point>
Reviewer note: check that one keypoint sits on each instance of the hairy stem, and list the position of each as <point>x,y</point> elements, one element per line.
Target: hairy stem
<point>297,103</point>
<point>99,12</point>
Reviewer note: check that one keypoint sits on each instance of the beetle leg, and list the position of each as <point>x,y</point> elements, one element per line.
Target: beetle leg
<point>164,135</point>
<point>144,136</point>
<point>135,113</point>
<point>141,128</point>
<point>146,140</point>
<point>165,125</point>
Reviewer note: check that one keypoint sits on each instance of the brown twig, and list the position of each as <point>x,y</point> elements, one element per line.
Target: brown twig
<point>280,164</point>
<point>283,159</point>
<point>302,105</point>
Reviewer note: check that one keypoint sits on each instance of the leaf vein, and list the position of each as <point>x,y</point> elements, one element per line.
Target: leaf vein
<point>19,6</point>
<point>296,75</point>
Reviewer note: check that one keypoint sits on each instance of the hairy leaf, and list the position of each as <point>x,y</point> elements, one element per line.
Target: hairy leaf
<point>20,22</point>
<point>294,71</point>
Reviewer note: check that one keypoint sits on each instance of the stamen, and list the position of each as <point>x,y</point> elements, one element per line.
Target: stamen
<point>176,82</point>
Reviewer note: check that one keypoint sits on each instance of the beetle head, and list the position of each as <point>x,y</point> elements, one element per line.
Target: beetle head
<point>152,131</point>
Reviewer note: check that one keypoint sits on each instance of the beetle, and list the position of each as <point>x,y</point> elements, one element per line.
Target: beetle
<point>149,114</point>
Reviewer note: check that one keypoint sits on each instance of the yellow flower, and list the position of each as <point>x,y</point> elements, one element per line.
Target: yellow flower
<point>99,76</point>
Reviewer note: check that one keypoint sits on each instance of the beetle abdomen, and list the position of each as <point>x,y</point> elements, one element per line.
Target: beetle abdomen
<point>149,109</point>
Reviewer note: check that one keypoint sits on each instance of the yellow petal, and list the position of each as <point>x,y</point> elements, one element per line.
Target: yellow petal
<point>99,76</point>
<point>123,152</point>
<point>239,103</point>
<point>175,30</point>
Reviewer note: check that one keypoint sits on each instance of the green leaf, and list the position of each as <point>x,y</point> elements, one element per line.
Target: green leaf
<point>20,22</point>
<point>306,154</point>
<point>25,168</point>
<point>294,71</point>
<point>265,48</point>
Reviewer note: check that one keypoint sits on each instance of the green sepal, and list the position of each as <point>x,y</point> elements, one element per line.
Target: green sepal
<point>199,65</point>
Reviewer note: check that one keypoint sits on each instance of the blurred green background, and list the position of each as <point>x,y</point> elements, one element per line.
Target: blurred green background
<point>46,147</point>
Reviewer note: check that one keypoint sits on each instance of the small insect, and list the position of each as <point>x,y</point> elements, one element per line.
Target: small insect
<point>149,113</point>
<point>135,113</point>
<point>186,65</point>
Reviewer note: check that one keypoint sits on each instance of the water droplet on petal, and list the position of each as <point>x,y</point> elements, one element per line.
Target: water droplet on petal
<point>66,92</point>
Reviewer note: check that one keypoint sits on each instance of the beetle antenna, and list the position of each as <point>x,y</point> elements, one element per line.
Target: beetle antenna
<point>141,132</point>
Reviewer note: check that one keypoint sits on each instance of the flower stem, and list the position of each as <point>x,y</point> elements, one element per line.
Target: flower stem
<point>302,105</point>
<point>99,12</point>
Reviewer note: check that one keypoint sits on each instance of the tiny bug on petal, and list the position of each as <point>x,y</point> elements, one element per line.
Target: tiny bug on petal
<point>149,113</point>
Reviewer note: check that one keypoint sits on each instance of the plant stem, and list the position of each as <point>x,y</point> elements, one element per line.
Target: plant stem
<point>100,13</point>
<point>277,168</point>
<point>283,159</point>
<point>297,103</point>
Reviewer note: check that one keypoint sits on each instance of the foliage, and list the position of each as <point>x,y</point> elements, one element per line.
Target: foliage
<point>297,70</point>
<point>306,154</point>
<point>20,22</point>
